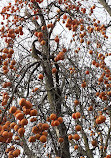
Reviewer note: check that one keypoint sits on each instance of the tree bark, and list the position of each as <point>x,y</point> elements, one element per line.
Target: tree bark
<point>65,147</point>
<point>54,98</point>
<point>27,151</point>
<point>49,84</point>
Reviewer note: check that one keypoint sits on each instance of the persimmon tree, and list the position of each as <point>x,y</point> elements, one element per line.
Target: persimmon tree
<point>56,103</point>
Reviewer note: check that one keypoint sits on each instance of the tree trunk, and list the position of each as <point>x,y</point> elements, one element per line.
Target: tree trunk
<point>54,98</point>
<point>27,150</point>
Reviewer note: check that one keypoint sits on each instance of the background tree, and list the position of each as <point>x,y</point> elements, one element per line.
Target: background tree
<point>55,103</point>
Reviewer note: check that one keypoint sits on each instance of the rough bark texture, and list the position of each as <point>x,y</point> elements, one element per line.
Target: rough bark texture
<point>65,147</point>
<point>49,84</point>
<point>54,97</point>
<point>88,151</point>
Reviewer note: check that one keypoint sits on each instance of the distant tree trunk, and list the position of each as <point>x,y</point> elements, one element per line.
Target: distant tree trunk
<point>106,6</point>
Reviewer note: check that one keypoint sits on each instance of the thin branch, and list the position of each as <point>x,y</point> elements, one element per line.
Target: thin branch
<point>30,78</point>
<point>11,98</point>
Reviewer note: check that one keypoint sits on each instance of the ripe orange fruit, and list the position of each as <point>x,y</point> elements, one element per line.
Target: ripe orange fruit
<point>4,56</point>
<point>40,76</point>
<point>53,116</point>
<point>90,108</point>
<point>108,156</point>
<point>21,131</point>
<point>19,116</point>
<point>13,109</point>
<point>76,137</point>
<point>42,42</point>
<point>33,119</point>
<point>36,34</point>
<point>28,104</point>
<point>77,115</point>
<point>48,119</point>
<point>10,134</point>
<point>78,128</point>
<point>45,126</point>
<point>40,34</point>
<point>54,70</point>
<point>43,138</point>
<point>83,85</point>
<point>64,50</point>
<point>56,39</point>
<point>61,55</point>
<point>37,136</point>
<point>17,111</point>
<point>76,102</point>
<point>87,72</point>
<point>8,123</point>
<point>32,139</point>
<point>60,140</point>
<point>33,112</point>
<point>16,127</point>
<point>16,153</point>
<point>43,27</point>
<point>22,102</point>
<point>64,16</point>
<point>5,63</point>
<point>52,123</point>
<point>94,142</point>
<point>4,67</point>
<point>73,116</point>
<point>36,89</point>
<point>16,138</point>
<point>90,52</point>
<point>8,84</point>
<point>45,133</point>
<point>5,50</point>
<point>76,147</point>
<point>12,125</point>
<point>5,71</point>
<point>13,62</point>
<point>35,129</point>
<point>20,28</point>
<point>4,127</point>
<point>60,119</point>
<point>56,123</point>
<point>2,139</point>
<point>100,79</point>
<point>102,118</point>
<point>5,134</point>
<point>70,137</point>
<point>24,122</point>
